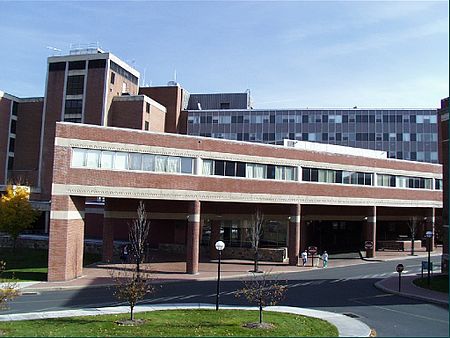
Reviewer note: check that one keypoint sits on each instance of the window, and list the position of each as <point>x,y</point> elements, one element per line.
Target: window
<point>121,161</point>
<point>107,159</point>
<point>113,77</point>
<point>12,142</point>
<point>225,105</point>
<point>15,107</point>
<point>93,158</point>
<point>75,85</point>
<point>10,162</point>
<point>160,163</point>
<point>148,162</point>
<point>186,165</point>
<point>230,168</point>
<point>73,107</point>
<point>208,167</point>
<point>147,125</point>
<point>437,184</point>
<point>219,168</point>
<point>135,161</point>
<point>12,130</point>
<point>77,65</point>
<point>78,158</point>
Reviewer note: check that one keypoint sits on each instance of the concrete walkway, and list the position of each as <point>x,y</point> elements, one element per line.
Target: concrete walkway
<point>347,327</point>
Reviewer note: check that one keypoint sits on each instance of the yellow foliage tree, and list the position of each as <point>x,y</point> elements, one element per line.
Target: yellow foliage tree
<point>16,212</point>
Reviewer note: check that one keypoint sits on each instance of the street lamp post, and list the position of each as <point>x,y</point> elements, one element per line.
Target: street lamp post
<point>219,247</point>
<point>428,235</point>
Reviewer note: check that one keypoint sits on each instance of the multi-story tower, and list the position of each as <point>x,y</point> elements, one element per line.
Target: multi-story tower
<point>409,134</point>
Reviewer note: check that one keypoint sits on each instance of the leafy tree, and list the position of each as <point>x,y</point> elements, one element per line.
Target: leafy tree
<point>262,290</point>
<point>16,213</point>
<point>8,289</point>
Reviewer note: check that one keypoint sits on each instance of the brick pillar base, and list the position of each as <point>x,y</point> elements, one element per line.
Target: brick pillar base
<point>294,234</point>
<point>66,238</point>
<point>193,238</point>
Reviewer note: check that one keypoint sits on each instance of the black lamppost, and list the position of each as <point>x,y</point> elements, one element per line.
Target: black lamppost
<point>219,246</point>
<point>428,235</point>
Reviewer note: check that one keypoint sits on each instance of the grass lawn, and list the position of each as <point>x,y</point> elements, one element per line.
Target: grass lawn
<point>174,323</point>
<point>437,283</point>
<point>31,264</point>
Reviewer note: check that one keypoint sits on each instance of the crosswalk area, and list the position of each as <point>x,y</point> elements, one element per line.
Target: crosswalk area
<point>292,284</point>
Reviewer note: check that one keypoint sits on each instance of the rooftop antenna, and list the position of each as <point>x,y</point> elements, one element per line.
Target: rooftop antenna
<point>54,49</point>
<point>143,77</point>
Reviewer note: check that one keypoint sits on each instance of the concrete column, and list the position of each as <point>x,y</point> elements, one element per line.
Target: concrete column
<point>294,234</point>
<point>108,232</point>
<point>215,236</point>
<point>371,230</point>
<point>193,238</point>
<point>66,238</point>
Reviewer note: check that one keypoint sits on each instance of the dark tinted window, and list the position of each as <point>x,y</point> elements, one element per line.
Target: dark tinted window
<point>15,107</point>
<point>12,142</point>
<point>75,85</point>
<point>97,64</point>
<point>73,107</point>
<point>10,162</point>
<point>240,169</point>
<point>77,65</point>
<point>56,66</point>
<point>219,168</point>
<point>270,171</point>
<point>230,168</point>
<point>13,127</point>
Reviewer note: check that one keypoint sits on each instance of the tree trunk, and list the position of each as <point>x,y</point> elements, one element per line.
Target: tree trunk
<point>260,314</point>
<point>131,312</point>
<point>256,268</point>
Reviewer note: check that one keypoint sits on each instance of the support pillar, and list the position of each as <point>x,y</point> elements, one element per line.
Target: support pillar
<point>294,234</point>
<point>66,238</point>
<point>108,232</point>
<point>371,230</point>
<point>215,236</point>
<point>193,238</point>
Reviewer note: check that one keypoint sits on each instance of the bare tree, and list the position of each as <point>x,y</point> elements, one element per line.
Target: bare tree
<point>138,234</point>
<point>262,290</point>
<point>131,286</point>
<point>413,225</point>
<point>8,288</point>
<point>255,235</point>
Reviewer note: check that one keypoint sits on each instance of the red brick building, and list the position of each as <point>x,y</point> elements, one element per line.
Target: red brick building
<point>121,144</point>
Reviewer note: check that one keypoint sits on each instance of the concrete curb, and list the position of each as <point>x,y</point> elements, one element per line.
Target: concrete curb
<point>347,327</point>
<point>379,285</point>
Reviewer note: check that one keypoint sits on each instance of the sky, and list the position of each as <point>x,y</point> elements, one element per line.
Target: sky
<point>289,54</point>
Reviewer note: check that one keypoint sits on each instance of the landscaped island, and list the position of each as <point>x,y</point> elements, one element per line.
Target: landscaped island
<point>174,323</point>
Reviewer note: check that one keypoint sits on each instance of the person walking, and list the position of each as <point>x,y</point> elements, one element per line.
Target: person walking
<point>124,256</point>
<point>304,257</point>
<point>325,259</point>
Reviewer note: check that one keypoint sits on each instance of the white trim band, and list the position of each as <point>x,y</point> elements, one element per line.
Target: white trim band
<point>191,195</point>
<point>66,215</point>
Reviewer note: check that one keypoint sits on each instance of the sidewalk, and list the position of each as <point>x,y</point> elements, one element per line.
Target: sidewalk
<point>167,269</point>
<point>410,290</point>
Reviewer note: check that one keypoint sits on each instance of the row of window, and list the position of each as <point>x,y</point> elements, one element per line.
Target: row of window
<point>88,158</point>
<point>124,73</point>
<point>407,182</point>
<point>336,176</point>
<point>130,161</point>
<point>249,170</point>
<point>311,118</point>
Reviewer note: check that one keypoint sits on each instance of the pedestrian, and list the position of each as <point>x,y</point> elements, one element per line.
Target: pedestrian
<point>325,259</point>
<point>304,257</point>
<point>124,255</point>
